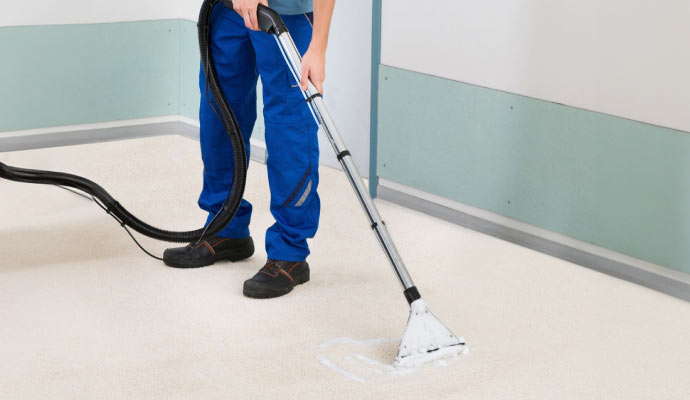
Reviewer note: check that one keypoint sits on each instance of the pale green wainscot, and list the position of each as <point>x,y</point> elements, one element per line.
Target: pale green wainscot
<point>55,75</point>
<point>614,182</point>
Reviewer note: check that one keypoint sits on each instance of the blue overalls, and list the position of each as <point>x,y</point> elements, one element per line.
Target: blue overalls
<point>241,56</point>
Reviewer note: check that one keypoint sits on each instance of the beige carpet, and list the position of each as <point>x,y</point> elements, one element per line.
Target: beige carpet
<point>85,315</point>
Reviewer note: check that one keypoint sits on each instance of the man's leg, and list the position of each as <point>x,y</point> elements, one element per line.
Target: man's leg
<point>292,163</point>
<point>235,65</point>
<point>236,69</point>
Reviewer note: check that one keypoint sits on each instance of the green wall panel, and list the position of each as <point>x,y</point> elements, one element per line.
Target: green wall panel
<point>56,75</point>
<point>74,74</point>
<point>189,69</point>
<point>617,183</point>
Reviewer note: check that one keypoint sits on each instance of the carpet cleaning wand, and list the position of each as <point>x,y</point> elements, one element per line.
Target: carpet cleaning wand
<point>425,337</point>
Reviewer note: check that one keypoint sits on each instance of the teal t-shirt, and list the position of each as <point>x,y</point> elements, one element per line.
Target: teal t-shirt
<point>291,7</point>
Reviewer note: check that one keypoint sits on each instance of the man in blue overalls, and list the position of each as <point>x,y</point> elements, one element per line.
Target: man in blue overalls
<point>242,54</point>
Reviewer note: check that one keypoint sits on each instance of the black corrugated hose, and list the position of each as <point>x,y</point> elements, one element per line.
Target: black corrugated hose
<point>113,207</point>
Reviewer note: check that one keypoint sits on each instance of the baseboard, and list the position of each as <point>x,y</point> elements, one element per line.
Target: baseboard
<point>89,133</point>
<point>110,131</point>
<point>666,280</point>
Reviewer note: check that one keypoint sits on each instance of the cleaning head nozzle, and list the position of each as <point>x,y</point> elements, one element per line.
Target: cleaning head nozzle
<point>426,339</point>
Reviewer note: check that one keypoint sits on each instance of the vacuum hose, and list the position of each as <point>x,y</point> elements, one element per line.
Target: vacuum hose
<point>113,207</point>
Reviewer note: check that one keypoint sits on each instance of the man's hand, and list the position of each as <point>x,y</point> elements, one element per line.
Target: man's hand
<point>313,68</point>
<point>314,60</point>
<point>247,10</point>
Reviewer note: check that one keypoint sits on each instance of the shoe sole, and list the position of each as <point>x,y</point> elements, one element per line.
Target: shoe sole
<point>271,293</point>
<point>231,255</point>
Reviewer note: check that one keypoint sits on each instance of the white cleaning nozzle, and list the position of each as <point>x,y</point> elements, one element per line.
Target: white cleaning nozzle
<point>426,339</point>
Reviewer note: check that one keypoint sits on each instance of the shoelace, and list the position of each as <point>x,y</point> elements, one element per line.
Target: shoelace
<point>272,266</point>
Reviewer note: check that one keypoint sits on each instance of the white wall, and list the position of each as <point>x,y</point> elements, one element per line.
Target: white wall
<point>189,9</point>
<point>629,58</point>
<point>347,91</point>
<point>348,76</point>
<point>48,12</point>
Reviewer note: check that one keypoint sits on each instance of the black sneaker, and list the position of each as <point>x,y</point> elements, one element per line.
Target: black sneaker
<point>208,252</point>
<point>276,278</point>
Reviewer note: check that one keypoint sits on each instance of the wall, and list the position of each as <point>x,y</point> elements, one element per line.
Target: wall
<point>56,75</point>
<point>613,182</point>
<point>77,62</point>
<point>627,58</point>
<point>558,114</point>
<point>52,12</point>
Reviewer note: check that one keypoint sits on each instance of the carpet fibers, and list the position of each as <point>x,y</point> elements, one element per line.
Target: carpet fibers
<point>84,314</point>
